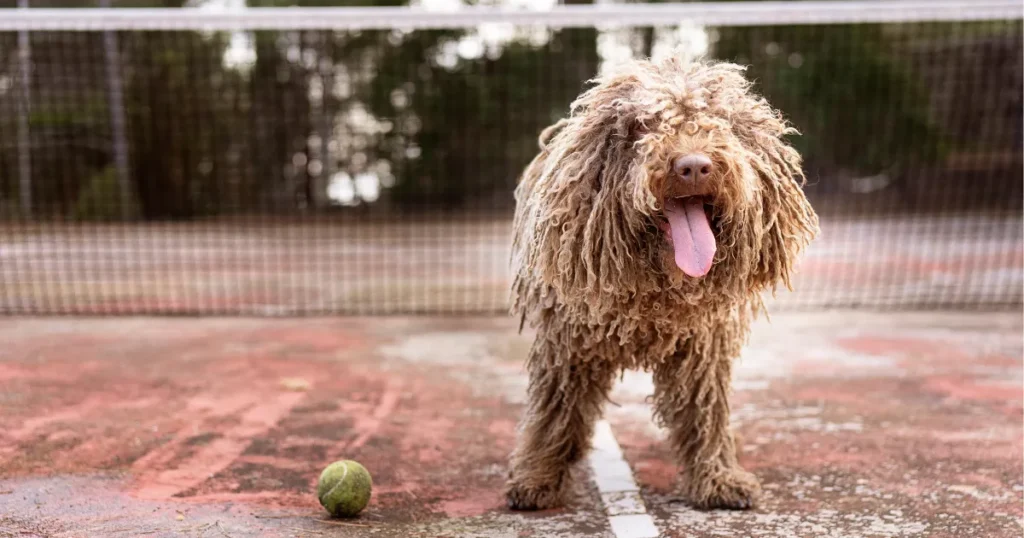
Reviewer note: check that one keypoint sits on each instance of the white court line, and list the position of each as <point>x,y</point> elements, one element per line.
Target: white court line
<point>620,494</point>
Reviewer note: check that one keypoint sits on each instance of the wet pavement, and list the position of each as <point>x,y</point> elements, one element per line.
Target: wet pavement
<point>858,424</point>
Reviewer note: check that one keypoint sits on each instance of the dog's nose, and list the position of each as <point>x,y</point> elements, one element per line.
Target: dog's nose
<point>693,167</point>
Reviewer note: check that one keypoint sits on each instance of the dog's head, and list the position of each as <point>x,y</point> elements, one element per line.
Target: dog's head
<point>669,179</point>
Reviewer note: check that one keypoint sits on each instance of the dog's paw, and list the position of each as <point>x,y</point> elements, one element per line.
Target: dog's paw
<point>734,489</point>
<point>521,497</point>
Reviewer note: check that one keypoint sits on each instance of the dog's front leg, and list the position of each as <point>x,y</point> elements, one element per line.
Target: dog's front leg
<point>565,399</point>
<point>691,399</point>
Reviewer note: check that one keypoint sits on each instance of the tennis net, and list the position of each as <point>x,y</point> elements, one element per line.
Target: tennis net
<point>342,160</point>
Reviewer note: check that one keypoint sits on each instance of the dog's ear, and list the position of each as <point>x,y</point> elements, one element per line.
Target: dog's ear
<point>788,222</point>
<point>576,228</point>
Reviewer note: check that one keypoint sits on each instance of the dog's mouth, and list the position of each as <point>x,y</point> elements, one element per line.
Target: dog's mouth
<point>688,226</point>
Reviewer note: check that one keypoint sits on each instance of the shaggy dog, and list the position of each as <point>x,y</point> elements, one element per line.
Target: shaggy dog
<point>644,232</point>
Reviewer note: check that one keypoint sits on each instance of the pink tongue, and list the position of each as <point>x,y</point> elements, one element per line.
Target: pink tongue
<point>692,239</point>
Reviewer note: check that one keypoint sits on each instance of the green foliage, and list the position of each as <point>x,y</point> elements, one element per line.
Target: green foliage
<point>857,105</point>
<point>209,138</point>
<point>182,111</point>
<point>476,122</point>
<point>100,198</point>
<point>62,118</point>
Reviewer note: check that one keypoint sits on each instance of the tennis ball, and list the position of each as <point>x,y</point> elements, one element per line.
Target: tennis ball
<point>344,488</point>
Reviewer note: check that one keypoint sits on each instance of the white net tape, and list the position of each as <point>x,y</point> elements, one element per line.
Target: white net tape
<point>366,18</point>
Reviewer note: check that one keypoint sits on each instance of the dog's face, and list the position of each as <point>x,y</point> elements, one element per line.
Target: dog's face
<point>699,184</point>
<point>670,183</point>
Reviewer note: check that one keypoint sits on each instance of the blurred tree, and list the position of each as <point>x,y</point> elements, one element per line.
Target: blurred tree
<point>451,117</point>
<point>66,118</point>
<point>860,107</point>
<point>278,122</point>
<point>183,118</point>
<point>472,122</point>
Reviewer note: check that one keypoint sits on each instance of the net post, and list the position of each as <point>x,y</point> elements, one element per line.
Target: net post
<point>115,97</point>
<point>24,109</point>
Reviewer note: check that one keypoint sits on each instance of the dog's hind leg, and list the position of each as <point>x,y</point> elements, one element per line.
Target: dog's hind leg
<point>691,400</point>
<point>565,399</point>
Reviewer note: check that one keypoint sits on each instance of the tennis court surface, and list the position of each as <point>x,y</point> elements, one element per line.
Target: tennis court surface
<point>857,425</point>
<point>239,243</point>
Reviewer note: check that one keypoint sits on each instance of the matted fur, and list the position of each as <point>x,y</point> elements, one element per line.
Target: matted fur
<point>595,276</point>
